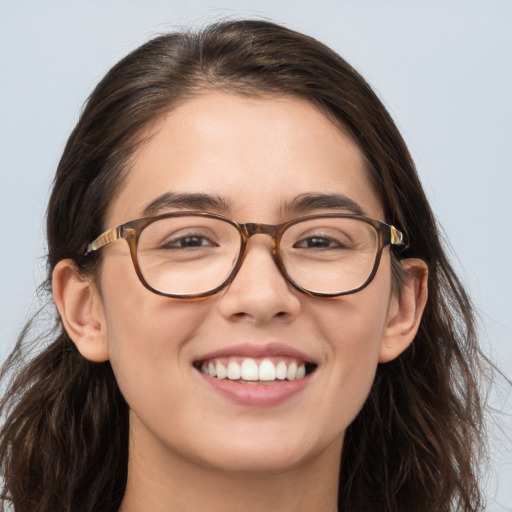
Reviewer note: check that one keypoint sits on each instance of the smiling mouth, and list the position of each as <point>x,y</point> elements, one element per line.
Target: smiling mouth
<point>255,370</point>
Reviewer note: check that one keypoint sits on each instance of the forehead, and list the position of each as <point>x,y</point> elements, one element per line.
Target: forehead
<point>254,153</point>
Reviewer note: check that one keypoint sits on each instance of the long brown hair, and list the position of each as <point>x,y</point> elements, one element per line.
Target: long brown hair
<point>416,442</point>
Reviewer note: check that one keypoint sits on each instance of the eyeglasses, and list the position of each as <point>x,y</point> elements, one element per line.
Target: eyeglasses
<point>196,254</point>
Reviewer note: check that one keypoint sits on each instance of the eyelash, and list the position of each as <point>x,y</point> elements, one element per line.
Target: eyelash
<point>323,238</point>
<point>177,243</point>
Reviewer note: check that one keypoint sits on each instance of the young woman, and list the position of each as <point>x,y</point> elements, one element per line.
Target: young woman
<point>240,253</point>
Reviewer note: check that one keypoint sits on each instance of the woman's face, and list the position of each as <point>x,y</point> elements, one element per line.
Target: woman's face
<point>257,156</point>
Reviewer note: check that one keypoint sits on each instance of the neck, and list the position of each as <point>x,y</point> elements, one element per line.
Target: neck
<point>167,482</point>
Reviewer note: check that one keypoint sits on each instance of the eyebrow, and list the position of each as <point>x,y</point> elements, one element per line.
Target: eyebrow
<point>317,201</point>
<point>193,201</point>
<point>207,202</point>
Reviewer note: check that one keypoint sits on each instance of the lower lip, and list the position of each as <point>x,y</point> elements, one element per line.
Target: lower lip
<point>256,395</point>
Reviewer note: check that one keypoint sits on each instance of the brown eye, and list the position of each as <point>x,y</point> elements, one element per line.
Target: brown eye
<point>189,241</point>
<point>318,242</point>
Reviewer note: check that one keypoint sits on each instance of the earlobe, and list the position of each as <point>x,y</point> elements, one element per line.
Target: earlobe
<point>406,310</point>
<point>81,311</point>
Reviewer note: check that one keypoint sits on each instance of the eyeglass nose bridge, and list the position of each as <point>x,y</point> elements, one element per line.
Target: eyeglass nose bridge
<point>251,229</point>
<point>275,232</point>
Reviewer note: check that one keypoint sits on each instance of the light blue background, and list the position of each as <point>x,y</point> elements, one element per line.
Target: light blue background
<point>442,67</point>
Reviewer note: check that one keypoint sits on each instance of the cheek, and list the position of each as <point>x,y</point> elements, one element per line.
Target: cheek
<point>351,328</point>
<point>138,320</point>
<point>147,336</point>
<point>148,355</point>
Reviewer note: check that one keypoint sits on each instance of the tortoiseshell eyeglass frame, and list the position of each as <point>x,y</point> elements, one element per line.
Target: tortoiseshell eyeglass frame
<point>130,231</point>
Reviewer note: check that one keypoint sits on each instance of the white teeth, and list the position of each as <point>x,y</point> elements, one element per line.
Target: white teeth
<point>222,373</point>
<point>281,370</point>
<point>267,370</point>
<point>234,371</point>
<point>292,371</point>
<point>249,370</point>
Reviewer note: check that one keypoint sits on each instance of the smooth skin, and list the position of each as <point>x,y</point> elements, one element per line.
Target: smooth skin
<point>190,447</point>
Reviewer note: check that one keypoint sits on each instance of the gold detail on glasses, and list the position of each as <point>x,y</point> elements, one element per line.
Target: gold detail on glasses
<point>397,237</point>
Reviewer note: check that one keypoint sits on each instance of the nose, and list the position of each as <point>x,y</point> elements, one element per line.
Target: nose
<point>259,293</point>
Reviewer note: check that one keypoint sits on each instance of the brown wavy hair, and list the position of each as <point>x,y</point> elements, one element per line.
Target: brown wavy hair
<point>415,444</point>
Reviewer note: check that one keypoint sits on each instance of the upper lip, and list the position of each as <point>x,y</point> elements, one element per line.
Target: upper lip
<point>252,350</point>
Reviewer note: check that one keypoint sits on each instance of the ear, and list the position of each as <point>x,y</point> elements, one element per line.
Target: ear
<point>405,310</point>
<point>81,311</point>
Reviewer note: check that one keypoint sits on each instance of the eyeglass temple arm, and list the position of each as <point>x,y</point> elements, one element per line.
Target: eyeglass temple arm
<point>104,239</point>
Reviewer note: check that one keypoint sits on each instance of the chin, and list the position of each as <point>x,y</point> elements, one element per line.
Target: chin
<point>267,451</point>
<point>255,460</point>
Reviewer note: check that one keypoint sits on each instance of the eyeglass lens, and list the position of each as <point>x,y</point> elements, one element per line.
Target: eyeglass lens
<point>192,254</point>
